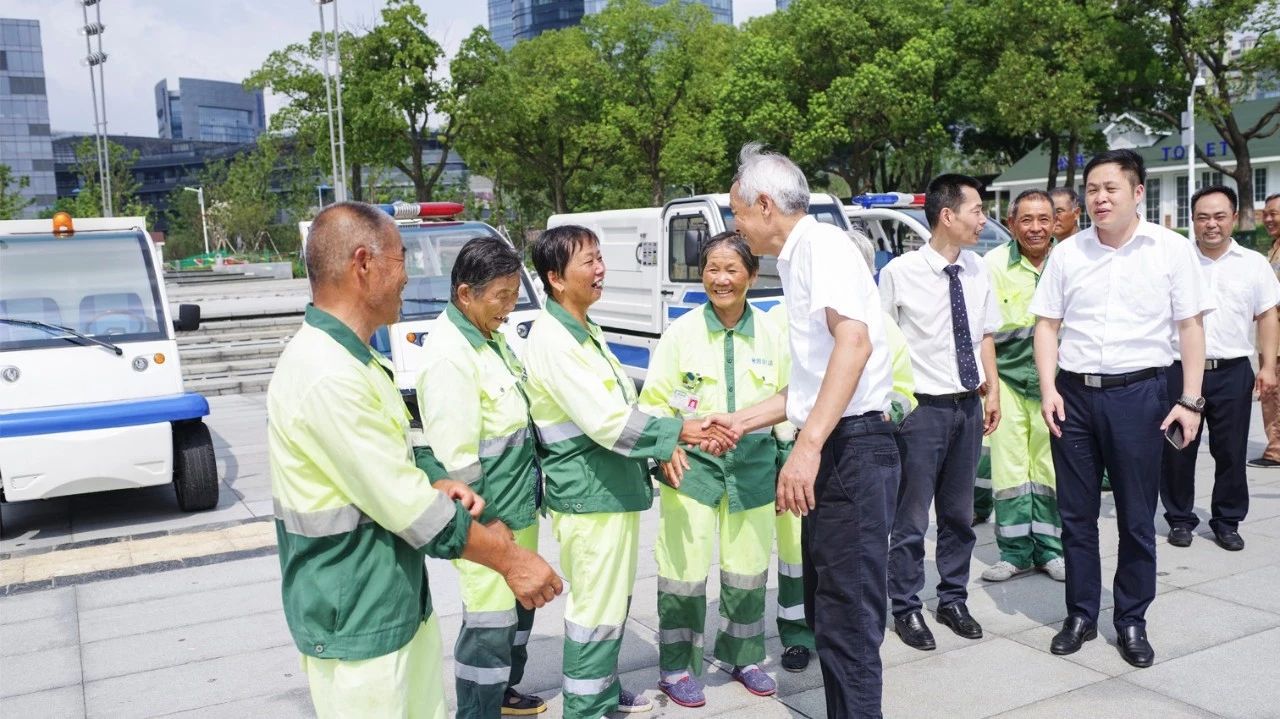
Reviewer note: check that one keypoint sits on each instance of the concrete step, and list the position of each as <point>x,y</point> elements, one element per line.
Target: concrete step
<point>240,384</point>
<point>202,339</point>
<point>228,368</point>
<point>248,323</point>
<point>232,351</point>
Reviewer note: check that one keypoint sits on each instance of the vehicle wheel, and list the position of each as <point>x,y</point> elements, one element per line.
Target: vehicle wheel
<point>195,471</point>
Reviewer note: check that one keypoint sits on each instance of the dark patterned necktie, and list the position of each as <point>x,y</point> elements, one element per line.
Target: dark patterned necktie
<point>960,331</point>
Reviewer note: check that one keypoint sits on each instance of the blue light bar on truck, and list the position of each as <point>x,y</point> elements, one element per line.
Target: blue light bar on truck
<point>422,210</point>
<point>888,199</point>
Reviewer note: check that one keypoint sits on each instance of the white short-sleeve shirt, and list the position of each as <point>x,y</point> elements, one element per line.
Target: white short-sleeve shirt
<point>821,268</point>
<point>916,292</point>
<point>1243,286</point>
<point>1118,306</point>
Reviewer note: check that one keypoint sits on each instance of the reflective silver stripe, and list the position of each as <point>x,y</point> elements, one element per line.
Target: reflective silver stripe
<point>1014,530</point>
<point>743,581</point>
<point>586,635</point>
<point>791,614</point>
<point>984,482</point>
<point>431,522</point>
<point>588,687</point>
<point>674,636</point>
<point>1046,529</point>
<point>481,675</point>
<point>762,430</point>
<point>1026,488</point>
<point>1021,333</point>
<point>559,432</point>
<point>489,620</point>
<point>794,571</point>
<point>522,638</point>
<point>631,432</point>
<point>468,474</point>
<point>495,446</point>
<point>321,523</point>
<point>682,588</point>
<point>746,631</point>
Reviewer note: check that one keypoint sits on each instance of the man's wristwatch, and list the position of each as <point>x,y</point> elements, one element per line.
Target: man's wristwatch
<point>1195,404</point>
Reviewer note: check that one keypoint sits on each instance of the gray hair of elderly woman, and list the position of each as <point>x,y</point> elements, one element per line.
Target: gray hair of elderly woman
<point>865,248</point>
<point>773,174</point>
<point>481,261</point>
<point>729,241</point>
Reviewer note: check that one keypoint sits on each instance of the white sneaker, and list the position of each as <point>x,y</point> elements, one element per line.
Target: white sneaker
<point>1055,568</point>
<point>1002,570</point>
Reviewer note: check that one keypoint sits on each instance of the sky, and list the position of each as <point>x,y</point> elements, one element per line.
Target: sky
<point>150,40</point>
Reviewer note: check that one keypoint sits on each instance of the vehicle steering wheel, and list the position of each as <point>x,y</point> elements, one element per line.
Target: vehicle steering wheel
<point>134,316</point>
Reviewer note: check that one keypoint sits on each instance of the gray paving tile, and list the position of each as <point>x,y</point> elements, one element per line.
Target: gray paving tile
<point>39,671</point>
<point>1235,679</point>
<point>1110,699</point>
<point>1204,560</point>
<point>1265,527</point>
<point>1259,588</point>
<point>145,510</point>
<point>35,635</point>
<point>31,525</point>
<point>294,704</point>
<point>37,605</point>
<point>131,590</point>
<point>64,703</point>
<point>812,703</point>
<point>178,611</point>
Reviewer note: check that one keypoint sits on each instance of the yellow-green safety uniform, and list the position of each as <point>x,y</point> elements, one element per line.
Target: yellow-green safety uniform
<point>475,418</point>
<point>1028,527</point>
<point>721,369</point>
<point>982,500</point>
<point>354,517</point>
<point>595,446</point>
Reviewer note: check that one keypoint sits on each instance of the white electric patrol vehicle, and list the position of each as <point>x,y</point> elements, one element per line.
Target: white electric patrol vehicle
<point>432,240</point>
<point>91,394</point>
<point>651,258</point>
<point>895,223</point>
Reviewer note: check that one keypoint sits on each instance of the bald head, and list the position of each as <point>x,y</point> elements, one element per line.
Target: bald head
<point>338,231</point>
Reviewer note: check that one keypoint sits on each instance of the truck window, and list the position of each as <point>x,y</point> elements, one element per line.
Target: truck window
<point>679,267</point>
<point>430,250</point>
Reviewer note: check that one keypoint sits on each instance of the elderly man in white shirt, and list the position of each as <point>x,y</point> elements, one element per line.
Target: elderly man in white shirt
<point>845,457</point>
<point>1117,291</point>
<point>941,298</point>
<point>1245,292</point>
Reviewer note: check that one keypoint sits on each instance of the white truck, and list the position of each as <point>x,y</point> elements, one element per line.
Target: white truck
<point>432,240</point>
<point>91,394</point>
<point>651,262</point>
<point>895,223</point>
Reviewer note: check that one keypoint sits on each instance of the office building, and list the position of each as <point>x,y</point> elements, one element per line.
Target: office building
<point>209,110</point>
<point>25,143</point>
<point>511,21</point>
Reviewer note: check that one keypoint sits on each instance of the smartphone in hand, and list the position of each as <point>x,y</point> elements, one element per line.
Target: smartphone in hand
<point>1175,436</point>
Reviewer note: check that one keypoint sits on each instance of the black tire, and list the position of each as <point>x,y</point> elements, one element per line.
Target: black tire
<point>195,470</point>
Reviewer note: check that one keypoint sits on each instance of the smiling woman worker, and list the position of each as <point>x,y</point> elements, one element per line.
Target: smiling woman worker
<point>595,447</point>
<point>717,358</point>
<point>476,420</point>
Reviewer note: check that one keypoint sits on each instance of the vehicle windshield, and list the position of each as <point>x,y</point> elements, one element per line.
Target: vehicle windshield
<point>429,253</point>
<point>101,284</point>
<point>992,236</point>
<point>769,280</point>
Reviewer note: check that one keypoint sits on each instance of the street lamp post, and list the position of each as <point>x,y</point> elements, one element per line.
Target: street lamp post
<point>1196,82</point>
<point>204,223</point>
<point>96,59</point>
<point>337,153</point>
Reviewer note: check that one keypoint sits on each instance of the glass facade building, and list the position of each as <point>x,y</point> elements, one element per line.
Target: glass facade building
<point>513,20</point>
<point>25,142</point>
<point>500,23</point>
<point>209,110</point>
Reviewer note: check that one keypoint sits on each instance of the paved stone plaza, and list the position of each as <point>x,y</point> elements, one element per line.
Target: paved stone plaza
<point>117,605</point>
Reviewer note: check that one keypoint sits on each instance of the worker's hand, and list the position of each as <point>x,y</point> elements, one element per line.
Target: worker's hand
<point>1053,411</point>
<point>795,482</point>
<point>673,470</point>
<point>1265,382</point>
<point>714,434</point>
<point>460,492</point>
<point>991,411</point>
<point>530,578</point>
<point>502,529</point>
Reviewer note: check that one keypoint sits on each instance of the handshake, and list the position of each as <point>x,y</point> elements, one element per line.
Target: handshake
<point>714,434</point>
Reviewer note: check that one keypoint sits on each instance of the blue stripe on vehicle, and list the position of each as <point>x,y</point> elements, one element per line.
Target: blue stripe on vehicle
<point>381,341</point>
<point>630,355</point>
<point>765,305</point>
<point>104,415</point>
<point>674,312</point>
<point>695,297</point>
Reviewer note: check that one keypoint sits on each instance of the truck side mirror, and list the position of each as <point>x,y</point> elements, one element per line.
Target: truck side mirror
<point>188,318</point>
<point>692,247</point>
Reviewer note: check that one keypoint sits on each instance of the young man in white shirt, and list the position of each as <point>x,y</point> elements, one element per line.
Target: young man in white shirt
<point>1117,292</point>
<point>1245,292</point>
<point>941,298</point>
<point>845,457</point>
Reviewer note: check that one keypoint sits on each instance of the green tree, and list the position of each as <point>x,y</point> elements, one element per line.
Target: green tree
<point>248,197</point>
<point>12,203</point>
<point>124,186</point>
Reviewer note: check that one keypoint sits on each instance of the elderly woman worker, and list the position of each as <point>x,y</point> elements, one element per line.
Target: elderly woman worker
<point>476,421</point>
<point>595,447</point>
<point>717,358</point>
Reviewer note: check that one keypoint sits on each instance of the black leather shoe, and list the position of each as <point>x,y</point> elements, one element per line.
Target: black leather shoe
<point>914,632</point>
<point>1180,536</point>
<point>979,519</point>
<point>1229,539</point>
<point>1075,632</point>
<point>956,616</point>
<point>1134,646</point>
<point>795,659</point>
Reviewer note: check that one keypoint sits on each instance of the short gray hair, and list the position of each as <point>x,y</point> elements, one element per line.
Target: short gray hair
<point>338,231</point>
<point>865,248</point>
<point>772,174</point>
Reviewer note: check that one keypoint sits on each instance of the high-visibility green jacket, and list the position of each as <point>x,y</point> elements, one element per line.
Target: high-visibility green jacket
<point>595,440</point>
<point>722,370</point>
<point>475,416</point>
<point>354,516</point>
<point>1013,280</point>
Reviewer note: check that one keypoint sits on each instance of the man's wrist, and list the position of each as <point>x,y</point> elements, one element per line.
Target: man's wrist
<point>1191,402</point>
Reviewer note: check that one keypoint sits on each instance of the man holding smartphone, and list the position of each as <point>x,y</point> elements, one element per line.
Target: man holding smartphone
<point>1245,292</point>
<point>1115,291</point>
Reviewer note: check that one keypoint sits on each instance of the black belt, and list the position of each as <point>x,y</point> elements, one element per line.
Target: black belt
<point>946,398</point>
<point>868,423</point>
<point>1107,381</point>
<point>1212,364</point>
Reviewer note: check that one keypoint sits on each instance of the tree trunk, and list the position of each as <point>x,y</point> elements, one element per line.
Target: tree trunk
<point>1244,187</point>
<point>1073,150</point>
<point>357,186</point>
<point>1055,151</point>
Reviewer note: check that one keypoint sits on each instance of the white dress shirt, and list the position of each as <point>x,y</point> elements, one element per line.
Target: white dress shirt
<point>821,268</point>
<point>1243,286</point>
<point>1118,306</point>
<point>916,292</point>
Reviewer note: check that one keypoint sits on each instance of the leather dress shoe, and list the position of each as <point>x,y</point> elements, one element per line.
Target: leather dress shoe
<point>1134,646</point>
<point>956,616</point>
<point>1180,536</point>
<point>1075,632</point>
<point>1229,539</point>
<point>914,632</point>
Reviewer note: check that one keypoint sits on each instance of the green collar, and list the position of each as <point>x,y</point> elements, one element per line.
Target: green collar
<point>340,332</point>
<point>464,325</point>
<point>746,323</point>
<point>1015,252</point>
<point>571,323</point>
